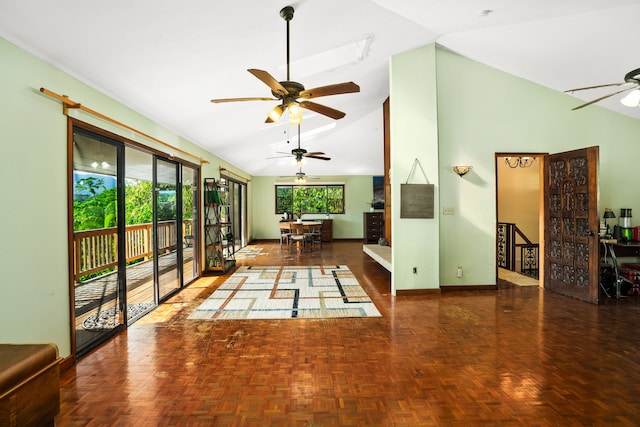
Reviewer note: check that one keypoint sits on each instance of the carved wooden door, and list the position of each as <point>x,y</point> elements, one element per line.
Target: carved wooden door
<point>571,259</point>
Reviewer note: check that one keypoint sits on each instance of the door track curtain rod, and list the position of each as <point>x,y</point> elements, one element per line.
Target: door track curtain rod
<point>68,103</point>
<point>226,171</point>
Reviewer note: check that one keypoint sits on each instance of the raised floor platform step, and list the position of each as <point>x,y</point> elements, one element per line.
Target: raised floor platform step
<point>382,254</point>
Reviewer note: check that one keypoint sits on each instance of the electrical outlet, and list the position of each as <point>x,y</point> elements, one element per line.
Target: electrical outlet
<point>448,211</point>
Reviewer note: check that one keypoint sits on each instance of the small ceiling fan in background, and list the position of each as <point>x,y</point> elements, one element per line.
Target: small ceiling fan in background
<point>631,82</point>
<point>301,177</point>
<point>300,153</point>
<point>289,92</point>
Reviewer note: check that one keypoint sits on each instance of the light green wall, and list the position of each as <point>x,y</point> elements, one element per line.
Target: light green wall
<point>35,293</point>
<point>358,193</point>
<point>414,135</point>
<point>481,111</point>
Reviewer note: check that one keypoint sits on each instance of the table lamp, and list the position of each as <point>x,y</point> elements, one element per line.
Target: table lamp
<point>608,213</point>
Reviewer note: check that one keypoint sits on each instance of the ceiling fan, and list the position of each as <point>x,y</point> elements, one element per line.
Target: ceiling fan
<point>290,92</point>
<point>300,153</point>
<point>631,81</point>
<point>301,177</point>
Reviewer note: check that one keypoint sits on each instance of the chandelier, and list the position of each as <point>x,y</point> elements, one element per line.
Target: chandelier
<point>522,162</point>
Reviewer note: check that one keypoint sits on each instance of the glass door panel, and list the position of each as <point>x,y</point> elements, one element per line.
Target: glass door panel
<point>96,292</point>
<point>140,281</point>
<point>238,203</point>
<point>167,231</point>
<point>189,224</point>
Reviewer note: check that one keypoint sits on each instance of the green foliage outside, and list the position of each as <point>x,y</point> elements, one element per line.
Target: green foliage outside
<point>98,209</point>
<point>310,199</point>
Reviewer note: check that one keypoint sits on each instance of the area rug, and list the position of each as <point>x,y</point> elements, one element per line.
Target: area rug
<point>249,252</point>
<point>310,292</point>
<point>108,319</point>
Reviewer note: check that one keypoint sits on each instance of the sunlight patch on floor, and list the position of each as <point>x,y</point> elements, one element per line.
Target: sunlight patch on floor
<point>516,278</point>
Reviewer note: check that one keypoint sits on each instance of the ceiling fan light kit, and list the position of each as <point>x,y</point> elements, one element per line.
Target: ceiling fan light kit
<point>289,92</point>
<point>631,80</point>
<point>632,99</point>
<point>295,113</point>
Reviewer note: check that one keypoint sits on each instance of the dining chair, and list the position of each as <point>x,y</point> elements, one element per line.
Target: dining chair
<point>285,234</point>
<point>297,236</point>
<point>315,236</point>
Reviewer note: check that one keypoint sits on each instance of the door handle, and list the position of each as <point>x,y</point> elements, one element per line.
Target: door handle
<point>590,233</point>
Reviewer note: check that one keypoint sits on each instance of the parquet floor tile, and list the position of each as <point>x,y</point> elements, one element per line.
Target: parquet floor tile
<point>517,356</point>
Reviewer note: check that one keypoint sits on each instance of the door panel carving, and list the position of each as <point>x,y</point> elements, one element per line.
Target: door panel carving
<point>570,210</point>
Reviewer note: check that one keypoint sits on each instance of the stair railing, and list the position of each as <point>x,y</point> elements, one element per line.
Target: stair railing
<point>507,235</point>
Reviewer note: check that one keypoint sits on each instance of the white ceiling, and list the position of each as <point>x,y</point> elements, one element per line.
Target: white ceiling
<point>168,59</point>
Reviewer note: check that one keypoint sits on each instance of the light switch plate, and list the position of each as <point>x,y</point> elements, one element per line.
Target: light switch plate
<point>448,211</point>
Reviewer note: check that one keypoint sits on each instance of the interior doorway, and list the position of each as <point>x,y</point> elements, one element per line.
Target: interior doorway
<point>519,217</point>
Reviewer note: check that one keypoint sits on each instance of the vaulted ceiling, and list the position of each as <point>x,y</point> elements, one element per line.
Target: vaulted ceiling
<point>168,59</point>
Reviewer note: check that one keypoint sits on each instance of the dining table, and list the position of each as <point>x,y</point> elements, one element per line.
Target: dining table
<point>299,228</point>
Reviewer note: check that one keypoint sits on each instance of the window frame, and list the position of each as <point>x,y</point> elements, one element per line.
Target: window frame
<point>279,210</point>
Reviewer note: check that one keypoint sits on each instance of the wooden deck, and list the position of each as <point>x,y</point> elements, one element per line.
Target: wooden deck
<point>516,356</point>
<point>99,296</point>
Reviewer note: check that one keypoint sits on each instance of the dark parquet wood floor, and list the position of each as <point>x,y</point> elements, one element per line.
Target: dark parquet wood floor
<point>518,356</point>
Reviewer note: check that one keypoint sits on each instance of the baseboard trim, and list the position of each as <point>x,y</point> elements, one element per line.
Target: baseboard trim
<point>67,363</point>
<point>416,292</point>
<point>454,288</point>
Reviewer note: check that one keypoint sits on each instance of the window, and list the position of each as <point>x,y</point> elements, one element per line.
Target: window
<point>310,199</point>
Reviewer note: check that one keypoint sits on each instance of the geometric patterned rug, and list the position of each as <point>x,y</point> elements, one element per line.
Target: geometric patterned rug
<point>279,292</point>
<point>248,252</point>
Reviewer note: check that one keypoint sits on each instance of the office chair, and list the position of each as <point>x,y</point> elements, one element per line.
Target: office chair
<point>619,280</point>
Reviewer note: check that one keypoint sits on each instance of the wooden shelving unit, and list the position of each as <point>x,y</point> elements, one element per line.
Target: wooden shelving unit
<point>218,230</point>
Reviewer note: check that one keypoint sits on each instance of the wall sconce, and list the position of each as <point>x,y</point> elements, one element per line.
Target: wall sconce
<point>462,170</point>
<point>523,162</point>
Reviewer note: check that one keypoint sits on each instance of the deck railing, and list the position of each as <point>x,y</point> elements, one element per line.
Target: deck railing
<point>96,250</point>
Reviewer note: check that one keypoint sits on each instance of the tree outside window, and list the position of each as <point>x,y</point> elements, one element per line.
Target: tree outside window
<point>310,199</point>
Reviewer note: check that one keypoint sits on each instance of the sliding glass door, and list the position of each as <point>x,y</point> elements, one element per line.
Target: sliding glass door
<point>238,212</point>
<point>168,234</point>
<point>140,277</point>
<point>98,272</point>
<point>189,184</point>
<point>135,233</point>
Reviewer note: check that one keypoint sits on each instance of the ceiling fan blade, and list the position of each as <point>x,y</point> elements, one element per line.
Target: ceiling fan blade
<point>336,89</point>
<point>217,101</point>
<point>318,157</point>
<point>268,79</point>
<point>323,109</point>
<point>313,153</point>
<point>593,87</point>
<point>602,97</point>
